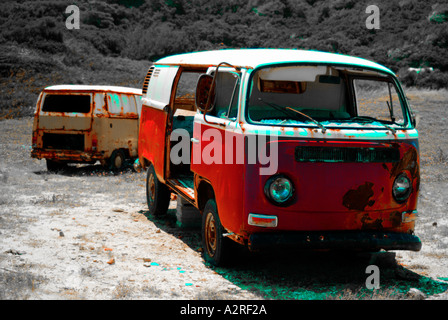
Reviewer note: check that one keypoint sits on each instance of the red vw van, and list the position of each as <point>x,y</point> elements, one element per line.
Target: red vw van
<point>293,148</point>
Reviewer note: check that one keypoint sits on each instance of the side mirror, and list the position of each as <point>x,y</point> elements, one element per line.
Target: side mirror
<point>415,119</point>
<point>205,94</point>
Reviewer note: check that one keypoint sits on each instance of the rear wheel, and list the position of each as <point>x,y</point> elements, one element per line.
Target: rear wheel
<point>216,247</point>
<point>157,194</point>
<point>117,160</point>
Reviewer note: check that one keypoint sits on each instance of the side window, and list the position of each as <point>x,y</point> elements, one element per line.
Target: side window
<point>99,103</point>
<point>227,93</point>
<point>379,100</point>
<point>138,101</point>
<point>114,103</point>
<point>121,104</point>
<point>129,105</point>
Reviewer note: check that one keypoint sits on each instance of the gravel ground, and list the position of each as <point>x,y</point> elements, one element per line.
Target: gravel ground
<point>85,233</point>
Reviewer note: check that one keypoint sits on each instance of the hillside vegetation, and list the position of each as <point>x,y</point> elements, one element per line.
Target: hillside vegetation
<point>118,39</point>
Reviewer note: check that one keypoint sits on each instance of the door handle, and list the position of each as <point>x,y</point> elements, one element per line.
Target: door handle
<point>194,140</point>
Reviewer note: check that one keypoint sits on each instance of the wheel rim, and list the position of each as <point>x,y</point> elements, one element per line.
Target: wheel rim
<point>210,234</point>
<point>151,187</point>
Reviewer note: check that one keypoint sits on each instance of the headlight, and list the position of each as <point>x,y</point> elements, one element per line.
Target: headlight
<point>401,188</point>
<point>279,189</point>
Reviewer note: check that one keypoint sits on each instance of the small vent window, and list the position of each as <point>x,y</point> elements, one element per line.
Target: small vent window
<point>147,78</point>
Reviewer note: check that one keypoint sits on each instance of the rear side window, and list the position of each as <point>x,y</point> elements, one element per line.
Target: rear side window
<point>66,103</point>
<point>121,104</point>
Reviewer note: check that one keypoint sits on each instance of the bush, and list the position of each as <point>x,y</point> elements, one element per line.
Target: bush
<point>432,80</point>
<point>426,79</point>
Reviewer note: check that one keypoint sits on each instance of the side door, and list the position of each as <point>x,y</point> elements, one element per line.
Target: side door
<point>218,150</point>
<point>156,102</point>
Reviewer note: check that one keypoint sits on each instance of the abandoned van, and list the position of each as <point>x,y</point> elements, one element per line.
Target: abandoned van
<point>292,148</point>
<point>85,124</point>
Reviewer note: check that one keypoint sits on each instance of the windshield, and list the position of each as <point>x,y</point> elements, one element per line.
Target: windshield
<point>323,96</point>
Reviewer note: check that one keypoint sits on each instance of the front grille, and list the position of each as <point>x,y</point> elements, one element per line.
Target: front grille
<point>63,141</point>
<point>346,154</point>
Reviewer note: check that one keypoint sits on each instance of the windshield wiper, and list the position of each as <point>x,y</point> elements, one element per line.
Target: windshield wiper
<point>308,117</point>
<point>275,106</point>
<point>371,120</point>
<point>281,108</point>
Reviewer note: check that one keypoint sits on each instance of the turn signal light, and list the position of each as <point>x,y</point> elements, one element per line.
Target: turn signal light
<point>262,220</point>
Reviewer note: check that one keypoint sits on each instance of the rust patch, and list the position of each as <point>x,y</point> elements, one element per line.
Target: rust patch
<point>369,223</point>
<point>395,219</point>
<point>408,162</point>
<point>358,199</point>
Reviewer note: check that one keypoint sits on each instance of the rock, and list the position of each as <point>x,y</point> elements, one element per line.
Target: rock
<point>15,252</point>
<point>415,294</point>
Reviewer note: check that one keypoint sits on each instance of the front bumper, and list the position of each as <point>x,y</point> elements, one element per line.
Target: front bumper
<point>336,240</point>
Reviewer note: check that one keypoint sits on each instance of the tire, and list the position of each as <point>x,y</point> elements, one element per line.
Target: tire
<point>54,166</point>
<point>117,160</point>
<point>216,248</point>
<point>157,194</point>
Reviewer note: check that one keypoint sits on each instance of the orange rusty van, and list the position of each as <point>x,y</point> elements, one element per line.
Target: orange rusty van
<point>292,148</point>
<point>85,124</point>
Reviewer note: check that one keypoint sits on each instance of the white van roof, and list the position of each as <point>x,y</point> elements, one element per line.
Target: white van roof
<point>257,57</point>
<point>74,87</point>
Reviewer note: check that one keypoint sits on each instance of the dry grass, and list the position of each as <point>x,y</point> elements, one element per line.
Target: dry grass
<point>18,284</point>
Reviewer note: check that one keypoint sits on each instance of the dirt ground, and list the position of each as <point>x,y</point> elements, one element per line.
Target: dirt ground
<point>85,233</point>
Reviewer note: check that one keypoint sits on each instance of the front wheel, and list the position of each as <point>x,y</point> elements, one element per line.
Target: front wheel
<point>157,194</point>
<point>216,247</point>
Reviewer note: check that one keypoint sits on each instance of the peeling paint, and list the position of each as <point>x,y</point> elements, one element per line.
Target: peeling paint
<point>369,223</point>
<point>359,198</point>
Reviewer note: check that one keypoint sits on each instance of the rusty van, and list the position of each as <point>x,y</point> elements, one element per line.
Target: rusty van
<point>300,149</point>
<point>85,124</point>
